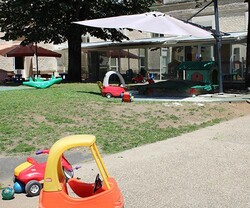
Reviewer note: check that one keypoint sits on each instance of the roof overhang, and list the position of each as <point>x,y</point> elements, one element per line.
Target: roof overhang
<point>233,38</point>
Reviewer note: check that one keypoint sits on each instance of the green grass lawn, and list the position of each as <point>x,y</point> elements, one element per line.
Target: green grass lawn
<point>35,118</point>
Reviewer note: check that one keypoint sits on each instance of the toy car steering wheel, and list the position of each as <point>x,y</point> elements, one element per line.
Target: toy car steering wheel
<point>98,183</point>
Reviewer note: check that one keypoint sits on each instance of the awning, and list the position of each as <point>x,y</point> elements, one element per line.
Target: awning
<point>234,37</point>
<point>121,54</point>
<point>126,44</point>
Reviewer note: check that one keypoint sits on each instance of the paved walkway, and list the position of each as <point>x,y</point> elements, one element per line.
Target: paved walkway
<point>18,87</point>
<point>216,97</point>
<point>206,168</point>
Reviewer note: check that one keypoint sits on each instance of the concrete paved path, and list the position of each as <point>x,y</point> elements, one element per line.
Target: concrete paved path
<point>206,168</point>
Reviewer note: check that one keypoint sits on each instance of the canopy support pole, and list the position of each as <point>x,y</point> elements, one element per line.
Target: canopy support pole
<point>218,45</point>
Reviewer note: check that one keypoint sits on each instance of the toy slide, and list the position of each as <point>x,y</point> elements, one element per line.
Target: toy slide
<point>42,84</point>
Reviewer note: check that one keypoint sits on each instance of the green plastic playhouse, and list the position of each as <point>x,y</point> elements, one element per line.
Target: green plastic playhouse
<point>204,71</point>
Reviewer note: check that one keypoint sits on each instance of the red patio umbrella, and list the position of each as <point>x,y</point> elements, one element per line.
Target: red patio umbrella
<point>28,50</point>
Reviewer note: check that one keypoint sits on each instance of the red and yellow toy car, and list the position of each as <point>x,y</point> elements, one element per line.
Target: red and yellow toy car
<point>108,90</point>
<point>55,193</point>
<point>29,175</point>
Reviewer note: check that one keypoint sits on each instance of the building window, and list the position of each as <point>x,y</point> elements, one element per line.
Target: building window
<point>236,54</point>
<point>142,58</point>
<point>164,64</point>
<point>178,54</point>
<point>114,66</point>
<point>238,61</point>
<point>246,22</point>
<point>207,21</point>
<point>19,62</point>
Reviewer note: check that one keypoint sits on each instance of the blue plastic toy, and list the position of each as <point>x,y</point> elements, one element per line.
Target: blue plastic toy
<point>18,187</point>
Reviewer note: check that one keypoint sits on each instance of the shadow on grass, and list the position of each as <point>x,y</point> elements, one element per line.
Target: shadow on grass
<point>10,84</point>
<point>92,93</point>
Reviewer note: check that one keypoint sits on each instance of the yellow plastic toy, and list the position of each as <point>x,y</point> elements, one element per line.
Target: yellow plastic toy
<point>91,195</point>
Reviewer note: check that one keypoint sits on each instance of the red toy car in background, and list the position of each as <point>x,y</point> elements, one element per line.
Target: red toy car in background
<point>108,90</point>
<point>28,176</point>
<point>113,91</point>
<point>139,79</point>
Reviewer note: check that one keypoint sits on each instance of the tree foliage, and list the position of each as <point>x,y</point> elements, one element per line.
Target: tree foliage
<point>50,21</point>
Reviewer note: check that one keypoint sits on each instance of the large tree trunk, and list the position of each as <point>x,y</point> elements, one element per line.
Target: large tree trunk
<point>247,77</point>
<point>74,50</point>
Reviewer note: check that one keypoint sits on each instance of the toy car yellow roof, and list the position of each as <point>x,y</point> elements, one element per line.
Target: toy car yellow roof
<point>68,142</point>
<point>53,174</point>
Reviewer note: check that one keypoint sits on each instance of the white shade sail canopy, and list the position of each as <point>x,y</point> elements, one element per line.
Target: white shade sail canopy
<point>154,22</point>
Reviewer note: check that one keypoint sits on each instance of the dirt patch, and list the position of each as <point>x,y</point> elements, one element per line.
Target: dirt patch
<point>176,113</point>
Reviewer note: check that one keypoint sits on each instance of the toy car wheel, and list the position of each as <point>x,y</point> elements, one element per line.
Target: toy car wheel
<point>33,188</point>
<point>108,95</point>
<point>68,174</point>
